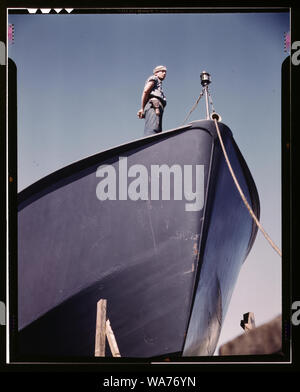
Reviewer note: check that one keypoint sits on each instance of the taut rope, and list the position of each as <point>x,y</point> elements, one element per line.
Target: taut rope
<point>241,192</point>
<point>216,117</point>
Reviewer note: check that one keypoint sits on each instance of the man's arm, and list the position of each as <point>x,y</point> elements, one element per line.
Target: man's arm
<point>149,86</point>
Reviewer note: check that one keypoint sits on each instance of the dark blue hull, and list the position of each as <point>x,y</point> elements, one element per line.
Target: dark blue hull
<point>167,273</point>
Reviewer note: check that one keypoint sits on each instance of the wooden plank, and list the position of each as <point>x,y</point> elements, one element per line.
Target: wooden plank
<point>100,328</point>
<point>112,340</point>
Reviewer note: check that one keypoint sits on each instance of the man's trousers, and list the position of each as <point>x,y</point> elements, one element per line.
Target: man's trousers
<point>153,121</point>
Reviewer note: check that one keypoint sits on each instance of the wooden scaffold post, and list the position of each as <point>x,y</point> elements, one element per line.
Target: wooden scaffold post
<point>100,328</point>
<point>103,330</point>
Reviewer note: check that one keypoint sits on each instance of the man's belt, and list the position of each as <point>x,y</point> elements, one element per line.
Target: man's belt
<point>156,103</point>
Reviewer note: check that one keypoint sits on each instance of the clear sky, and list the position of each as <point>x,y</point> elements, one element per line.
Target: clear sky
<point>80,79</point>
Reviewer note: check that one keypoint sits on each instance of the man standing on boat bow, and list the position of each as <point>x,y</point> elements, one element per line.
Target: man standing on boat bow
<point>153,101</point>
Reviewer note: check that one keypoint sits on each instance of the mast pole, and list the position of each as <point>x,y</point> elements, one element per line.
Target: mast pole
<point>207,105</point>
<point>205,81</point>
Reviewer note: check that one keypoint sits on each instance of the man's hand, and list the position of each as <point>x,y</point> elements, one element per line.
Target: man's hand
<point>141,113</point>
<point>145,97</point>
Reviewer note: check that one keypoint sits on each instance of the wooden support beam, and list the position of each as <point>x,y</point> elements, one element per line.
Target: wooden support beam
<point>112,340</point>
<point>100,328</point>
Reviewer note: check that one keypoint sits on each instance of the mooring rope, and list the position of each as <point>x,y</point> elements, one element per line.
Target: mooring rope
<point>241,192</point>
<point>215,117</point>
<point>194,107</point>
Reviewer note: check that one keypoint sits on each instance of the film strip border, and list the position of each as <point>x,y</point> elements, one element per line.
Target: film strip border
<point>40,10</point>
<point>50,10</point>
<point>10,33</point>
<point>127,9</point>
<point>287,42</point>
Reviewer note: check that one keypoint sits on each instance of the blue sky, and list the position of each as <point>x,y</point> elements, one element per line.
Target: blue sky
<point>80,79</point>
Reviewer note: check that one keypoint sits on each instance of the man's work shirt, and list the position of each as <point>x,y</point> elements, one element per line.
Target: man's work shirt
<point>157,91</point>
